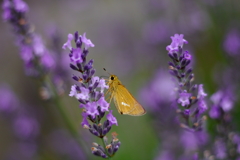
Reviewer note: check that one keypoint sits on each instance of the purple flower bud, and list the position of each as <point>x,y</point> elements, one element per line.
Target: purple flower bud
<point>101,113</point>
<point>94,132</point>
<point>92,72</point>
<point>85,77</point>
<point>189,70</point>
<point>116,147</point>
<point>171,64</point>
<point>175,56</point>
<point>73,67</point>
<point>80,67</point>
<point>75,78</point>
<point>76,36</point>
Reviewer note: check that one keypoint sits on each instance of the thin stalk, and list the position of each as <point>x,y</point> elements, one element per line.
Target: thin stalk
<point>64,114</point>
<point>104,146</point>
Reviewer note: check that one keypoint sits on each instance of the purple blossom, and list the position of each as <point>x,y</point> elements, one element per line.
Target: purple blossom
<point>103,104</point>
<point>187,55</point>
<point>73,91</point>
<point>37,59</point>
<point>68,43</point>
<point>90,94</point>
<point>91,108</point>
<point>84,94</point>
<point>102,85</point>
<point>184,98</point>
<point>201,93</point>
<point>202,106</point>
<point>112,119</point>
<point>88,43</point>
<point>76,55</point>
<point>183,77</point>
<point>177,41</point>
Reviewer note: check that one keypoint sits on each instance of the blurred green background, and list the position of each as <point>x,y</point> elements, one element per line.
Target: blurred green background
<point>121,31</point>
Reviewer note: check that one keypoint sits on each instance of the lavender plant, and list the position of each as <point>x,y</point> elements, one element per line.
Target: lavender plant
<point>90,93</point>
<point>189,96</point>
<point>39,62</point>
<point>226,141</point>
<point>37,59</point>
<point>176,96</point>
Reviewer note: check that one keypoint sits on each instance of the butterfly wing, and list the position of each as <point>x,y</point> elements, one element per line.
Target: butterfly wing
<point>126,103</point>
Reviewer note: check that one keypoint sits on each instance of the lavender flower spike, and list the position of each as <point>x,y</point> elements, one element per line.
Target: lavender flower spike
<point>89,92</point>
<point>190,101</point>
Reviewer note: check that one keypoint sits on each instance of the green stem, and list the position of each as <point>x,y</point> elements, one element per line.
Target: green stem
<point>64,114</point>
<point>104,146</point>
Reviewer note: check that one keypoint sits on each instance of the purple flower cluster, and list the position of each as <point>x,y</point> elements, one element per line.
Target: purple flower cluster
<point>32,48</point>
<point>90,93</point>
<point>188,94</point>
<point>24,123</point>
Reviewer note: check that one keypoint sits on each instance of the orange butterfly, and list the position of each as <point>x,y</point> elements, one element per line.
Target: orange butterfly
<point>123,100</point>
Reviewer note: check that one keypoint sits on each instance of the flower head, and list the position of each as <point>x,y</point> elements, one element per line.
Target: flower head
<point>177,41</point>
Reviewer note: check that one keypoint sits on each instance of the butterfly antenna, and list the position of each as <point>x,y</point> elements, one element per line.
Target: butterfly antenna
<point>106,71</point>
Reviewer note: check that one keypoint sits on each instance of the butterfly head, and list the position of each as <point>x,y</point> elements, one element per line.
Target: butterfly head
<point>113,78</point>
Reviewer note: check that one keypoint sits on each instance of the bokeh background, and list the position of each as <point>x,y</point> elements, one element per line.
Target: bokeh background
<point>130,40</point>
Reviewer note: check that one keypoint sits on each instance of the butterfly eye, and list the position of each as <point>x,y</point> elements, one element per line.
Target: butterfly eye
<point>112,78</point>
